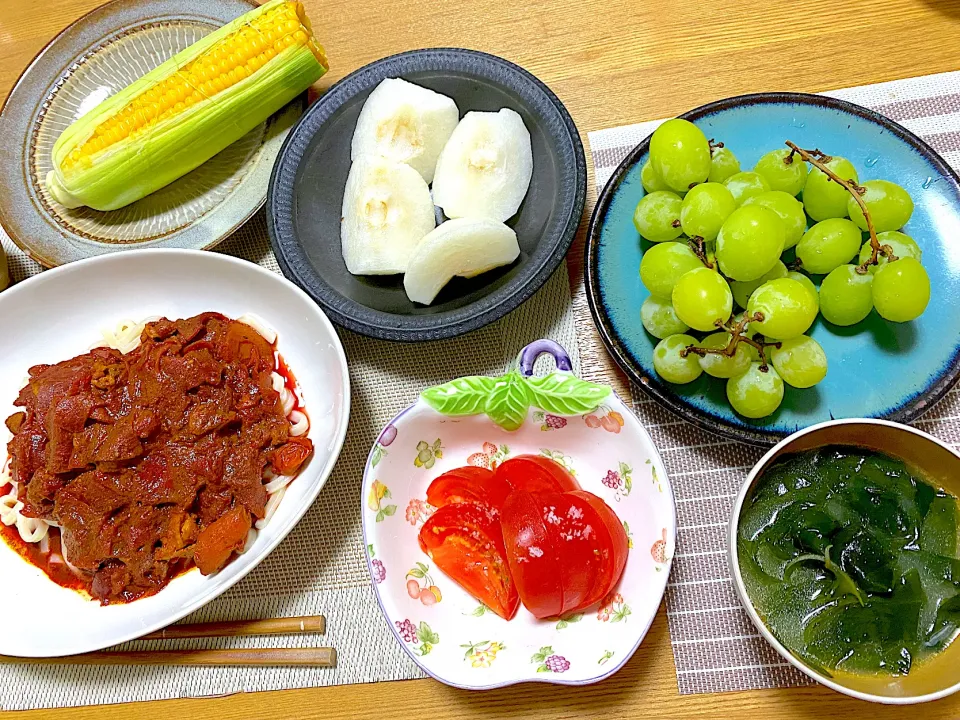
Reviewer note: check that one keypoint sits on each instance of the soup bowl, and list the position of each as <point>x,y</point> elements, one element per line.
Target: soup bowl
<point>933,678</point>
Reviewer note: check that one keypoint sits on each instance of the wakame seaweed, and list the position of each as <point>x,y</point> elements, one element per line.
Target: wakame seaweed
<point>851,560</point>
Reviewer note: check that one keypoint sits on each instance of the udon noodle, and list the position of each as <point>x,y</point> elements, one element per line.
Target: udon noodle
<point>31,530</point>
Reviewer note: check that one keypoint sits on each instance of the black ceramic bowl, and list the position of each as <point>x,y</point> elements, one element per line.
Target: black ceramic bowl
<point>306,195</point>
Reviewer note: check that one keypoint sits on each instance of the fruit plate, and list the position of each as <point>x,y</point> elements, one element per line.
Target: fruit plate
<point>456,639</point>
<point>876,369</point>
<point>307,187</point>
<point>98,55</point>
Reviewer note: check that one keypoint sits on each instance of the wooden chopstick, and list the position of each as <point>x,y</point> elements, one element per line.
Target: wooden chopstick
<point>257,657</point>
<point>238,628</point>
<point>265,657</point>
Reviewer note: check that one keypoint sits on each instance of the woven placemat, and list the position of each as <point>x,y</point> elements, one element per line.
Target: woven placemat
<point>320,568</point>
<point>715,646</point>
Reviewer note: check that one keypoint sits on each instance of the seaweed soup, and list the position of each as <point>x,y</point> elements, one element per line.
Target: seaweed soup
<point>851,560</point>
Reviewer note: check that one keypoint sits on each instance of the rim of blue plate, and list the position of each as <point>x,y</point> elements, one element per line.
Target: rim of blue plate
<point>661,392</point>
<point>281,205</point>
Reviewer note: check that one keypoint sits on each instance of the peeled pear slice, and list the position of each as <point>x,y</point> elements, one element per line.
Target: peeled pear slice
<point>485,168</point>
<point>405,123</point>
<point>462,248</point>
<point>387,210</point>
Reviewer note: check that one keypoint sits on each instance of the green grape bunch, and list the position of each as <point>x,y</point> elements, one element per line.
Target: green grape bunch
<point>724,237</point>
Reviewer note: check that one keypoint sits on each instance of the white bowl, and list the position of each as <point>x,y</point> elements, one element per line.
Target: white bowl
<point>938,676</point>
<point>457,641</point>
<point>59,314</point>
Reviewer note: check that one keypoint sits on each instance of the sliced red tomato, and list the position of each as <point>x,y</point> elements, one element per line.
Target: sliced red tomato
<point>619,544</point>
<point>583,545</point>
<point>532,555</point>
<point>464,540</point>
<point>615,556</point>
<point>468,484</point>
<point>535,473</point>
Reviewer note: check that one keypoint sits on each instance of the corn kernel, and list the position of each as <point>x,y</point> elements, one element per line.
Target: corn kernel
<point>233,58</point>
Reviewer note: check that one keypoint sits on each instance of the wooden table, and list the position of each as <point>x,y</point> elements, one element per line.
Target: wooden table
<point>611,62</point>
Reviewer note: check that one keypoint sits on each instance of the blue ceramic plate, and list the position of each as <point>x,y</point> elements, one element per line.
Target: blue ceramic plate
<point>876,368</point>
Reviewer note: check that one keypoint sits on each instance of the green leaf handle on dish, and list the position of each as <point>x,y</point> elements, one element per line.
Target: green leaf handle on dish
<point>506,399</point>
<point>509,401</point>
<point>565,394</point>
<point>463,396</point>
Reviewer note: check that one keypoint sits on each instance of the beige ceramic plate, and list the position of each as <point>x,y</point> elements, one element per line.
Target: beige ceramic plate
<point>99,55</point>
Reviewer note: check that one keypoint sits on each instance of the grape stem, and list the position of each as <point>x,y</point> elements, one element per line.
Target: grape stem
<point>738,334</point>
<point>698,245</point>
<point>714,145</point>
<point>819,160</point>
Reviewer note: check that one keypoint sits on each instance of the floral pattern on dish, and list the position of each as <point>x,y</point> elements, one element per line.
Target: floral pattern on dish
<point>428,594</point>
<point>658,551</point>
<point>560,457</point>
<point>377,569</point>
<point>428,454</point>
<point>613,609</point>
<point>482,654</point>
<point>386,439</point>
<point>654,476</point>
<point>566,622</point>
<point>606,418</point>
<point>421,639</point>
<point>379,493</point>
<point>549,422</point>
<point>620,480</point>
<point>547,661</point>
<point>418,511</point>
<point>490,456</point>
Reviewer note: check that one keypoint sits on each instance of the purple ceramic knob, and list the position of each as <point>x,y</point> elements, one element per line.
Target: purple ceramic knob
<point>529,355</point>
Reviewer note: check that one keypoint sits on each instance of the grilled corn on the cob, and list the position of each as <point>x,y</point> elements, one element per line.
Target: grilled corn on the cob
<point>187,109</point>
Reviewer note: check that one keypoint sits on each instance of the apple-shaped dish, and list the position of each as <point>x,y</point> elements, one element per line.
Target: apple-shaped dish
<point>483,421</point>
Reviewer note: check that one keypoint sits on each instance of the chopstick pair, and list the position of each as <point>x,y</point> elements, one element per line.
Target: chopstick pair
<point>251,657</point>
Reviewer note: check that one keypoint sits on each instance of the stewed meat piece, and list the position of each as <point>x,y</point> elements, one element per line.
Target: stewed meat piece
<point>153,461</point>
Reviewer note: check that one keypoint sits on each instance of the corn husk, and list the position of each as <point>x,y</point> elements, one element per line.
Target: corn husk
<point>135,167</point>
